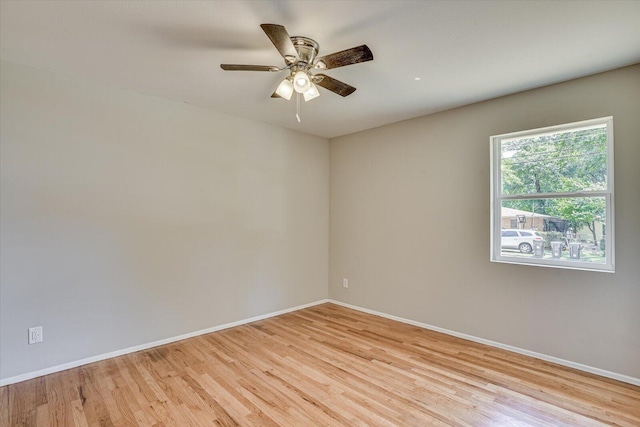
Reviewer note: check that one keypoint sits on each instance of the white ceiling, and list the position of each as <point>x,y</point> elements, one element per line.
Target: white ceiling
<point>463,51</point>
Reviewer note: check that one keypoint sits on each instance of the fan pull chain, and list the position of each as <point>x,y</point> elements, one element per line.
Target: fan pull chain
<point>298,106</point>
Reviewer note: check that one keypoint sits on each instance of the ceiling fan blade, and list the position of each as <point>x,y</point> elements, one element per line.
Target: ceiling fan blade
<point>237,67</point>
<point>354,55</point>
<point>281,40</point>
<point>334,85</point>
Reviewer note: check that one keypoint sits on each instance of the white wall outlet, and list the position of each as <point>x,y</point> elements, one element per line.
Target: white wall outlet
<point>345,282</point>
<point>35,335</point>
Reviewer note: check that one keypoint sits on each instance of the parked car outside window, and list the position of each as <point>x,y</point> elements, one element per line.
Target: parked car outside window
<point>521,240</point>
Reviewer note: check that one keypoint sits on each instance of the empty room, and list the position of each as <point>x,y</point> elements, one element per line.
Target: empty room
<point>319,213</point>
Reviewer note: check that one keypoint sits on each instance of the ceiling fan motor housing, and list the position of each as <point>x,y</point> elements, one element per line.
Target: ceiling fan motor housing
<point>307,50</point>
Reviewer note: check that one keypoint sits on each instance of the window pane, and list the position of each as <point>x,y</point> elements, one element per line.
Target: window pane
<point>576,224</point>
<point>560,162</point>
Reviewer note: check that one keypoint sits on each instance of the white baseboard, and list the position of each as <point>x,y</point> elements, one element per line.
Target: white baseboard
<point>578,366</point>
<point>76,363</point>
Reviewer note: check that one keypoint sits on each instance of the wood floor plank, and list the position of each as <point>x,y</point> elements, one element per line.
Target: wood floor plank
<point>323,366</point>
<point>94,408</point>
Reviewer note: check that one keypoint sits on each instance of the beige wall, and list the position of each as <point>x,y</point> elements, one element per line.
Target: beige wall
<point>128,219</point>
<point>410,228</point>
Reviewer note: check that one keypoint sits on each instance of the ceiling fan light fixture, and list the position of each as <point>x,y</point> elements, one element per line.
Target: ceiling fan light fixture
<point>301,81</point>
<point>285,89</point>
<point>312,93</point>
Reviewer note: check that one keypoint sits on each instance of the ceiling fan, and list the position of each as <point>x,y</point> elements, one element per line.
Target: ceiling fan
<point>300,59</point>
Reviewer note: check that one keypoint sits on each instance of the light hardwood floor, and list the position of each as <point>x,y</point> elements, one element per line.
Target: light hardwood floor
<point>322,366</point>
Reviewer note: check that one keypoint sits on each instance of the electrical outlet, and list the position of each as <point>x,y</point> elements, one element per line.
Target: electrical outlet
<point>35,335</point>
<point>345,282</point>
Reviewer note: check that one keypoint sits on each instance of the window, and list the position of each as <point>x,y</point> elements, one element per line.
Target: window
<point>557,183</point>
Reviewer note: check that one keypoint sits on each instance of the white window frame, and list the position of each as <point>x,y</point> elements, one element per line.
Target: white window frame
<point>497,198</point>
